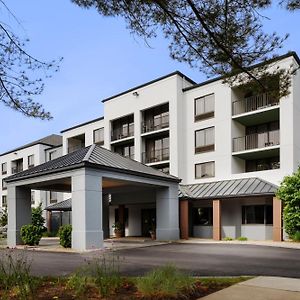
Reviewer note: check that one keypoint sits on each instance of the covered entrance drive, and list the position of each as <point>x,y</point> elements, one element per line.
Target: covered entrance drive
<point>90,175</point>
<point>234,208</point>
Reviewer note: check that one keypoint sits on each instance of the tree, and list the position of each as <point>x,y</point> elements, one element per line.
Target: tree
<point>21,75</point>
<point>4,218</point>
<point>37,218</point>
<point>220,37</point>
<point>289,193</point>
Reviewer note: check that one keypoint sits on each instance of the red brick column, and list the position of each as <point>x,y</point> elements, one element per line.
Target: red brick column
<point>184,219</point>
<point>217,234</point>
<point>277,220</point>
<point>122,217</point>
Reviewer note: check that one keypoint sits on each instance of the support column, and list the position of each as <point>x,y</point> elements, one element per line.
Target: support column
<point>217,234</point>
<point>87,230</point>
<point>184,219</point>
<point>277,220</point>
<point>167,213</point>
<point>49,217</point>
<point>122,218</point>
<point>19,213</point>
<point>105,223</point>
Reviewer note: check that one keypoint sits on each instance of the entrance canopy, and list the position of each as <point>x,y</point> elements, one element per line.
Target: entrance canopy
<point>234,188</point>
<point>87,174</point>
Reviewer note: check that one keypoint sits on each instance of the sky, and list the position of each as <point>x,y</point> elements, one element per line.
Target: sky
<point>100,58</point>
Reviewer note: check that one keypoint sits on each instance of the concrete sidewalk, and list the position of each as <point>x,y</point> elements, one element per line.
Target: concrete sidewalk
<point>261,288</point>
<point>283,244</point>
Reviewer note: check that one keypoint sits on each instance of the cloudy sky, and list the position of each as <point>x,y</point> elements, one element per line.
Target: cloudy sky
<point>101,58</point>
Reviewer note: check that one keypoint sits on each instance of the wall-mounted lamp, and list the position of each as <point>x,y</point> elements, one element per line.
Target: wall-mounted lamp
<point>136,94</point>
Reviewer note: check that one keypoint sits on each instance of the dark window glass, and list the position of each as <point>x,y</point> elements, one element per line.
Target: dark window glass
<point>257,214</point>
<point>202,215</point>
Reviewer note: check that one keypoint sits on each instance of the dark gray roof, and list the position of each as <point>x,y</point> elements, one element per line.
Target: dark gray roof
<point>65,205</point>
<point>93,156</point>
<point>52,140</point>
<point>227,189</point>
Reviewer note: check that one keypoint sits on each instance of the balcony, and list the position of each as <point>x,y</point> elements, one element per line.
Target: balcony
<point>156,156</point>
<point>249,146</point>
<point>17,169</point>
<point>157,123</point>
<point>123,132</point>
<point>255,109</point>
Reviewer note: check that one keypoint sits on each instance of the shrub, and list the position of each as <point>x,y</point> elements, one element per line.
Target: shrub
<point>296,237</point>
<point>37,218</point>
<point>228,238</point>
<point>78,283</point>
<point>65,236</point>
<point>242,238</point>
<point>288,192</point>
<point>166,281</point>
<point>15,273</point>
<point>107,275</point>
<point>4,218</point>
<point>31,235</point>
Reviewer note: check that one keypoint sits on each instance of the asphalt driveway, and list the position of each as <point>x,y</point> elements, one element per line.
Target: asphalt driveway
<point>197,259</point>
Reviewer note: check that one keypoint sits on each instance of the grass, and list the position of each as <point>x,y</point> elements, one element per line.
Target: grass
<point>242,238</point>
<point>166,281</point>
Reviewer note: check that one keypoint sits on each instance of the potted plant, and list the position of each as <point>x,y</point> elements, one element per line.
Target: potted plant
<point>152,232</point>
<point>118,229</point>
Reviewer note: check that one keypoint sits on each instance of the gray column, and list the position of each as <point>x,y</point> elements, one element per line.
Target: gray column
<point>167,213</point>
<point>87,230</point>
<point>19,213</point>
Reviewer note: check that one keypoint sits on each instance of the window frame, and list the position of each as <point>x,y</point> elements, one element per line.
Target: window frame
<point>4,185</point>
<point>205,163</point>
<point>28,161</point>
<point>265,208</point>
<point>100,143</point>
<point>210,216</point>
<point>206,114</point>
<point>4,203</point>
<point>2,165</point>
<point>206,147</point>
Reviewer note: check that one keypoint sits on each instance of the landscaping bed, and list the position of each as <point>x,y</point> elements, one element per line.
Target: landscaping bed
<point>100,278</point>
<point>57,288</point>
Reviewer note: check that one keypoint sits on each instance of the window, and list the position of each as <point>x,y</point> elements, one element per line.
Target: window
<point>203,216</point>
<point>30,161</point>
<point>32,198</point>
<point>4,201</point>
<point>53,197</point>
<point>126,150</point>
<point>52,155</point>
<point>4,187</point>
<point>204,107</point>
<point>205,140</point>
<point>205,170</point>
<point>257,214</point>
<point>99,136</point>
<point>263,164</point>
<point>4,168</point>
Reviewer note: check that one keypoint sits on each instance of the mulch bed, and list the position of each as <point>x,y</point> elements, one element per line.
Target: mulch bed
<point>56,289</point>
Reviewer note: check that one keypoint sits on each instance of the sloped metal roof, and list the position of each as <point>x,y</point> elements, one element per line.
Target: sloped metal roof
<point>52,140</point>
<point>65,205</point>
<point>93,156</point>
<point>227,189</point>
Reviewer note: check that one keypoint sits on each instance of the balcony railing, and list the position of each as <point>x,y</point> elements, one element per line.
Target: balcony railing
<point>122,133</point>
<point>15,170</point>
<point>254,103</point>
<point>156,155</point>
<point>156,123</point>
<point>256,141</point>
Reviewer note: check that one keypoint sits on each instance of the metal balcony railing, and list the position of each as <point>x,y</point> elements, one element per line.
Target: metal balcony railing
<point>156,155</point>
<point>156,123</point>
<point>254,103</point>
<point>122,133</point>
<point>17,169</point>
<point>256,141</point>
